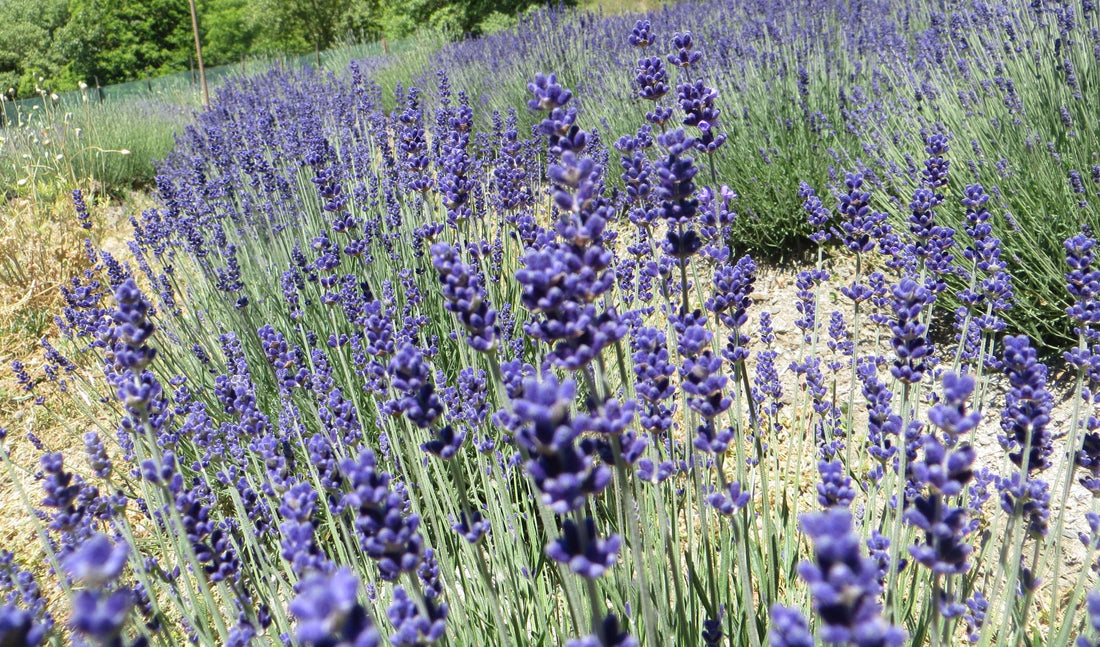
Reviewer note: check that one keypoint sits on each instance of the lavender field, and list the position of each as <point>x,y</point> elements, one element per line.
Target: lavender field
<point>472,354</point>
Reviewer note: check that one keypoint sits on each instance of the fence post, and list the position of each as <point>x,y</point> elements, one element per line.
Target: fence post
<point>198,53</point>
<point>98,89</point>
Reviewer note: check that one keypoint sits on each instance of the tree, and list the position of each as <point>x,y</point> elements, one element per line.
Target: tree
<point>120,40</point>
<point>302,25</point>
<point>229,30</point>
<point>28,29</point>
<point>458,17</point>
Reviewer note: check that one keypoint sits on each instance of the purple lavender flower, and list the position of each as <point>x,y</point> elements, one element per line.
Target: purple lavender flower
<point>931,241</point>
<point>562,279</point>
<point>641,36</point>
<point>651,78</point>
<point>564,473</point>
<point>712,632</point>
<point>456,165</point>
<point>81,209</point>
<point>466,297</point>
<point>703,381</point>
<point>1083,283</point>
<point>789,628</point>
<point>446,442</point>
<point>733,284</point>
<point>950,414</point>
<point>583,550</point>
<point>560,125</point>
<point>835,488</point>
<point>607,634</point>
<point>1027,407</point>
<point>386,534</point>
<point>816,214</point>
<point>329,613</point>
<point>767,390</point>
<point>882,424</point>
<point>806,281</point>
<point>133,328</point>
<point>1088,458</point>
<point>684,55</point>
<point>577,183</point>
<point>298,545</point>
<point>510,172</point>
<point>410,376</point>
<point>97,562</point>
<point>945,473</point>
<point>976,608</point>
<point>101,616</point>
<point>25,381</point>
<point>1093,605</point>
<point>697,103</point>
<point>709,439</point>
<point>860,226</point>
<point>412,628</point>
<point>472,527</point>
<point>65,494</point>
<point>729,500</point>
<point>910,341</point>
<point>208,537</point>
<point>944,550</point>
<point>653,373</point>
<point>844,584</point>
<point>413,145</point>
<point>18,628</point>
<point>840,340</point>
<point>934,175</point>
<point>677,204</point>
<point>30,621</point>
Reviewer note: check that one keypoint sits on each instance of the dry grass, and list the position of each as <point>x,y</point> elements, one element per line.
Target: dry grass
<point>624,6</point>
<point>41,248</point>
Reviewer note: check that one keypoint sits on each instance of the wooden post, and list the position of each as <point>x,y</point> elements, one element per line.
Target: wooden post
<point>98,89</point>
<point>385,47</point>
<point>191,64</point>
<point>198,53</point>
<point>148,82</point>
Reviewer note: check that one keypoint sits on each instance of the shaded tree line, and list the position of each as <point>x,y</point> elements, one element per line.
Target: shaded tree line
<point>57,44</point>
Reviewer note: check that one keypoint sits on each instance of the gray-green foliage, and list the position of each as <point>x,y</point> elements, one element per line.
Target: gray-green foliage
<point>1020,110</point>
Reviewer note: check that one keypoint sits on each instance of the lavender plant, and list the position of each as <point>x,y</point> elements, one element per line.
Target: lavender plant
<point>379,377</point>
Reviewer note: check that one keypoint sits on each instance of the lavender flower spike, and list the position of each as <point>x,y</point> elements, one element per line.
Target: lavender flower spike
<point>844,584</point>
<point>329,613</point>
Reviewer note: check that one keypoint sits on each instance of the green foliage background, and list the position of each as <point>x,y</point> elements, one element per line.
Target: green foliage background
<point>56,44</point>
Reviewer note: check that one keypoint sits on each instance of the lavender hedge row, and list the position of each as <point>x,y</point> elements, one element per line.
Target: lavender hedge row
<point>812,88</point>
<point>391,378</point>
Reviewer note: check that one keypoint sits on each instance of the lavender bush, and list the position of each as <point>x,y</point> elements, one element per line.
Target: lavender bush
<point>813,88</point>
<point>385,377</point>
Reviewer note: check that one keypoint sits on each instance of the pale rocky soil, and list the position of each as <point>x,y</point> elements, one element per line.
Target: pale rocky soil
<point>776,293</point>
<point>50,251</point>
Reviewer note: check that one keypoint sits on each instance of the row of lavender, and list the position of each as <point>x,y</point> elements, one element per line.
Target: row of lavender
<point>392,379</point>
<point>811,88</point>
